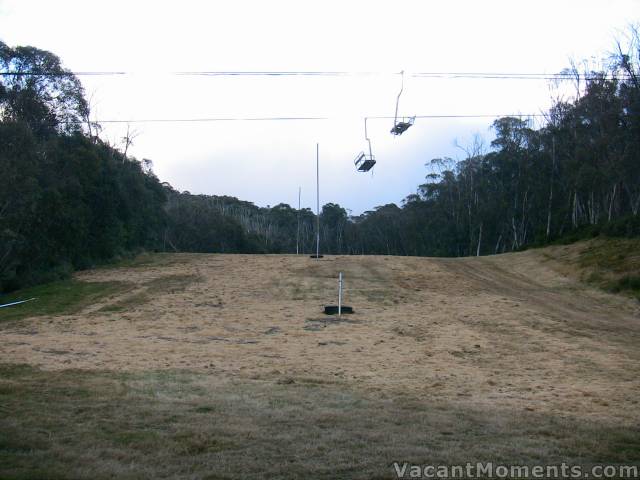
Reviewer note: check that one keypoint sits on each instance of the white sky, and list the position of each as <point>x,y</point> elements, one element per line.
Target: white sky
<point>265,162</point>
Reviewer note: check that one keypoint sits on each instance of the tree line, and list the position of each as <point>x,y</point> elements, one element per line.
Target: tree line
<point>70,200</point>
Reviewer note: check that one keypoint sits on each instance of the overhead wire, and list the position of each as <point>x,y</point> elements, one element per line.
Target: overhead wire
<point>230,73</point>
<point>210,119</point>
<point>269,119</point>
<point>249,73</point>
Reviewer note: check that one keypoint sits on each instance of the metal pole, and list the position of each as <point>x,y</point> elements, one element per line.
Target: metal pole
<point>317,201</point>
<point>16,303</point>
<point>366,136</point>
<point>298,231</point>
<point>395,120</point>
<point>340,294</point>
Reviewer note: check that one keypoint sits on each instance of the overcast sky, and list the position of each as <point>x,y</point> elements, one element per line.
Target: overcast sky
<point>266,162</point>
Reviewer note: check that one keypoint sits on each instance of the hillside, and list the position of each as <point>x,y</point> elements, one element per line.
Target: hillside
<point>439,354</point>
<point>72,198</point>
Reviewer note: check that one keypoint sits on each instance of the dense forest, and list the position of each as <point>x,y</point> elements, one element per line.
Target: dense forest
<point>70,200</point>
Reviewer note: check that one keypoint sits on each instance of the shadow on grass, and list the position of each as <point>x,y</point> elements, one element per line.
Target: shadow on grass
<point>178,424</point>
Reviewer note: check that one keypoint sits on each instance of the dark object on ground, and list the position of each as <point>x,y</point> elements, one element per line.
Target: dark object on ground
<point>316,256</point>
<point>333,309</point>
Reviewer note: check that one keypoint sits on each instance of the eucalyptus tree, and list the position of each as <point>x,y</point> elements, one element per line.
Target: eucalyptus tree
<point>37,90</point>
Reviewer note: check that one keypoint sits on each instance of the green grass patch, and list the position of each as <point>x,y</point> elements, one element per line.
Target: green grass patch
<point>57,298</point>
<point>627,284</point>
<point>619,255</point>
<point>612,264</point>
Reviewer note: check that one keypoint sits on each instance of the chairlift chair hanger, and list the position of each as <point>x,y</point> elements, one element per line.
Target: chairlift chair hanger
<point>402,124</point>
<point>364,162</point>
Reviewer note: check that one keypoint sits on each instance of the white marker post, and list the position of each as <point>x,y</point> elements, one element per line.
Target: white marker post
<point>340,294</point>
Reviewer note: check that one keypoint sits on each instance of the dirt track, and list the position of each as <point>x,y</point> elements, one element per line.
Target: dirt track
<point>504,331</point>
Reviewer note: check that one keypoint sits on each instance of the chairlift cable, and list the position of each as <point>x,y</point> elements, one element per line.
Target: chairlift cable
<point>225,73</point>
<point>268,119</point>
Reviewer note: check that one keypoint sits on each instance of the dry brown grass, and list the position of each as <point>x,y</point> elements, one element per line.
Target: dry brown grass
<point>221,366</point>
<point>179,424</point>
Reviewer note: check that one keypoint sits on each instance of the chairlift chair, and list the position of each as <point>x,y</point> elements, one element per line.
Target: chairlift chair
<point>401,125</point>
<point>364,162</point>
